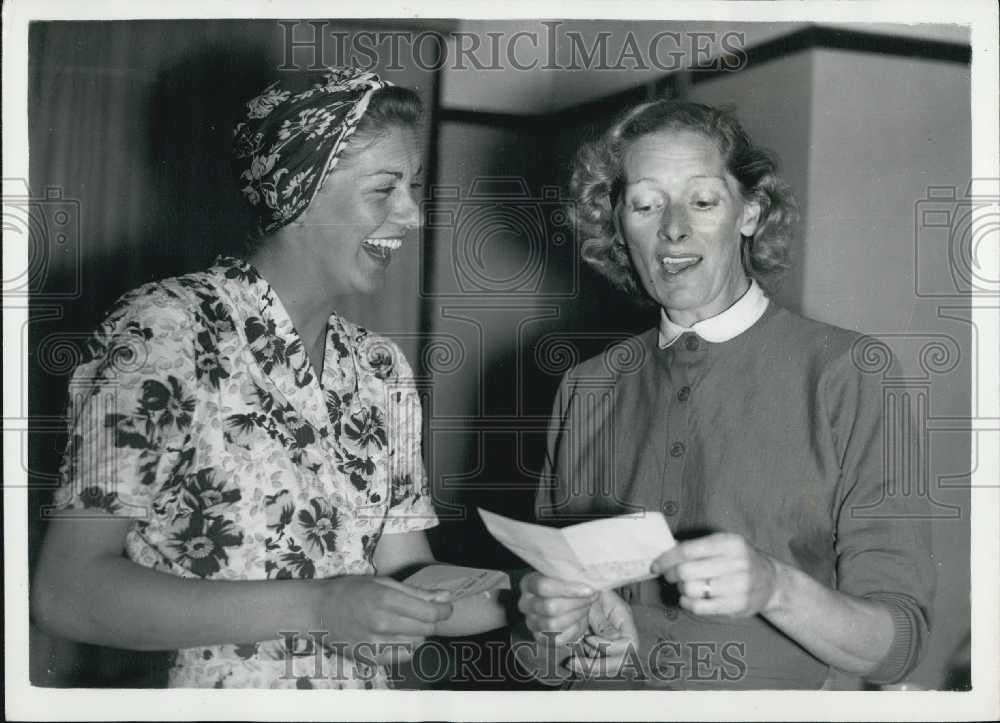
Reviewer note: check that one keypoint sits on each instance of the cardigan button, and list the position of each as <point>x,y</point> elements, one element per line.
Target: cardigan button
<point>676,449</point>
<point>684,393</point>
<point>691,343</point>
<point>669,508</point>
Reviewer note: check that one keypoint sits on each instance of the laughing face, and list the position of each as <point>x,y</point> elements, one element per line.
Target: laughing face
<point>364,211</point>
<point>681,214</point>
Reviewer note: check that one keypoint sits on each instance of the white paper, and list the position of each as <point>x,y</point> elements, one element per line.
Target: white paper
<point>602,554</point>
<point>459,581</point>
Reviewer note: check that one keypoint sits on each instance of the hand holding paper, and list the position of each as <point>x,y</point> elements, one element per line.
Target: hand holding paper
<point>573,564</point>
<point>477,596</point>
<point>459,581</point>
<point>612,633</point>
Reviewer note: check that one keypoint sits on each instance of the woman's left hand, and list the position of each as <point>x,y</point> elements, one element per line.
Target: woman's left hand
<point>721,574</point>
<point>555,608</point>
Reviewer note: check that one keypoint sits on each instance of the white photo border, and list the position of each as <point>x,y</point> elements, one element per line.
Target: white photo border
<point>25,702</point>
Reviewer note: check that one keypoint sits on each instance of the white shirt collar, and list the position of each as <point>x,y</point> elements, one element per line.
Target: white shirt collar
<point>722,327</point>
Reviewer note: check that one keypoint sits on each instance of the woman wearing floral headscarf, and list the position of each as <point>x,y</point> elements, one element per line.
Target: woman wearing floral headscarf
<point>255,456</point>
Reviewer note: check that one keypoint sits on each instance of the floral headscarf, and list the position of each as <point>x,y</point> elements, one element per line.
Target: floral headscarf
<point>289,143</point>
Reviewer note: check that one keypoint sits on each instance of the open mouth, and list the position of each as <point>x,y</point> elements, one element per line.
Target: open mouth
<point>674,265</point>
<point>381,249</point>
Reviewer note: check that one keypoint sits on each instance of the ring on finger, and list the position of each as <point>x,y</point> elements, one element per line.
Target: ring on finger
<point>707,592</point>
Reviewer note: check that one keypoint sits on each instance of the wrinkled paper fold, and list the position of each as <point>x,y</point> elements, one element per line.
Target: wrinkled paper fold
<point>603,554</point>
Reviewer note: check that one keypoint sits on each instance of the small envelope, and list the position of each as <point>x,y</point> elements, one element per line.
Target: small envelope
<point>459,581</point>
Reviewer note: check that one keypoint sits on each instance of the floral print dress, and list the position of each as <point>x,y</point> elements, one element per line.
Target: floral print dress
<point>197,415</point>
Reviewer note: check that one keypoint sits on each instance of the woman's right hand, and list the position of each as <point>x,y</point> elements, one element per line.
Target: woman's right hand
<point>85,589</point>
<point>552,606</point>
<point>612,635</point>
<point>378,618</point>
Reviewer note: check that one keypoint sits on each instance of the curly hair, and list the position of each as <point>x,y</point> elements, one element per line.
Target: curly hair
<point>598,180</point>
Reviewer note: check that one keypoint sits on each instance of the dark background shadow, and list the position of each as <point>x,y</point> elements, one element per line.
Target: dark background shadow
<point>195,213</point>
